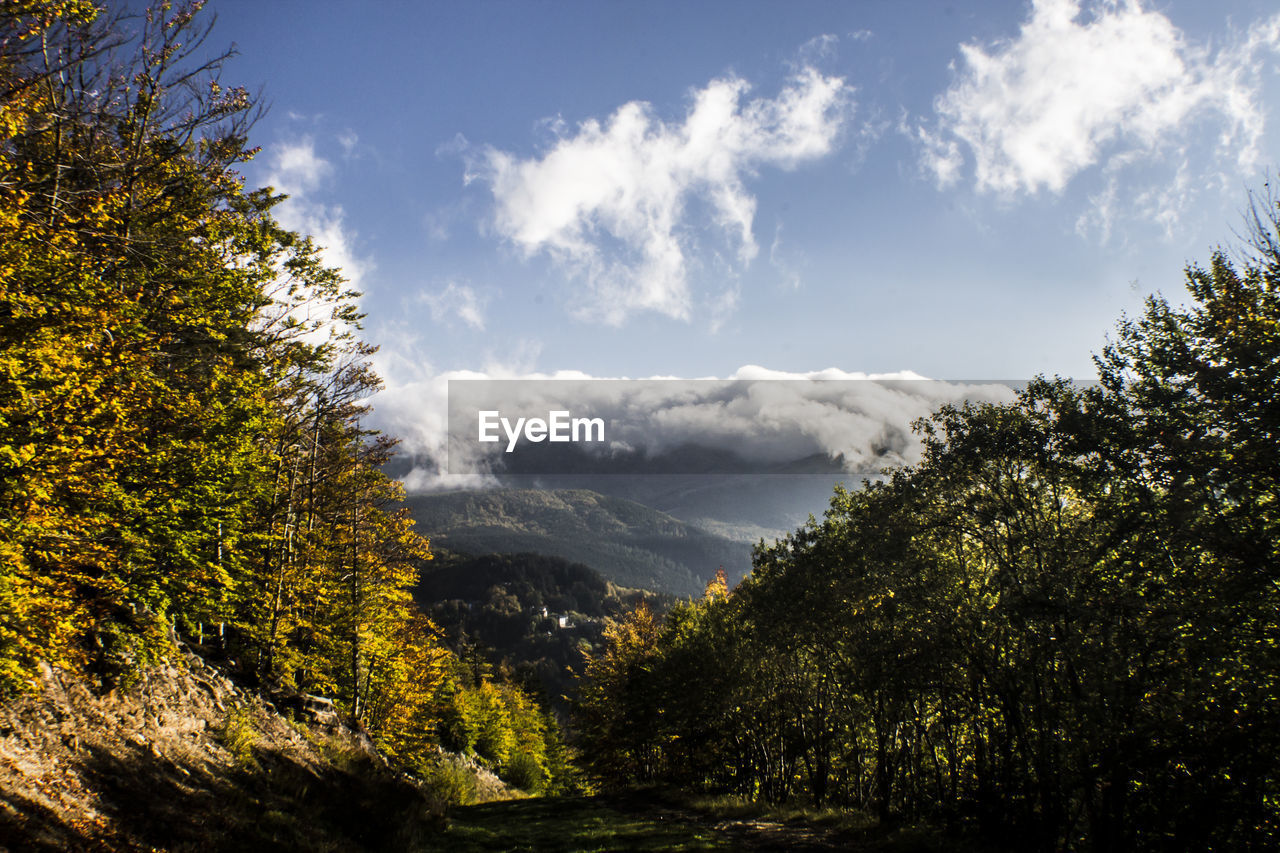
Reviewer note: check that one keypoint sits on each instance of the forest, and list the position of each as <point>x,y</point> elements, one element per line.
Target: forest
<point>535,618</point>
<point>1058,630</point>
<point>182,388</point>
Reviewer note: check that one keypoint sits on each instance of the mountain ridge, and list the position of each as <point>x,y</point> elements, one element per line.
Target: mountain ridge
<point>629,543</point>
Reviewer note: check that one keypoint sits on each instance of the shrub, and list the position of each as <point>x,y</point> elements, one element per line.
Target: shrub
<point>239,735</point>
<point>448,783</point>
<point>525,772</point>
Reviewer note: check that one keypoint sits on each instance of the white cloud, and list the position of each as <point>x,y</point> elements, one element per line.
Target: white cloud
<point>609,202</point>
<point>862,419</point>
<point>455,299</point>
<point>297,170</point>
<point>1081,84</point>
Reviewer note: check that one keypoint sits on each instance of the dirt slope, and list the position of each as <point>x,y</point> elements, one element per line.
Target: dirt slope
<point>183,759</point>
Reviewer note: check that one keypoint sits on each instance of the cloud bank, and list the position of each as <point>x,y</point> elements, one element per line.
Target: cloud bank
<point>1082,84</point>
<point>862,420</point>
<point>610,202</point>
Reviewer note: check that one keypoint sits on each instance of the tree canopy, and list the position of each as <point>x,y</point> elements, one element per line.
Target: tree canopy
<point>183,391</point>
<point>1061,627</point>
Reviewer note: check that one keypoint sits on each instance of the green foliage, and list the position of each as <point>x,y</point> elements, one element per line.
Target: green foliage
<point>617,712</point>
<point>536,581</point>
<point>503,727</point>
<point>129,643</point>
<point>1058,628</point>
<point>525,772</point>
<point>449,783</point>
<point>492,606</point>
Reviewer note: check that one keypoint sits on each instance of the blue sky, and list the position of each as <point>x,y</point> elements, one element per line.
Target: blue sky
<point>630,189</point>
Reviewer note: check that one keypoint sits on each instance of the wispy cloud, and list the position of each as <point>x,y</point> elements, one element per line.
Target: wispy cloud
<point>819,48</point>
<point>298,170</point>
<point>787,270</point>
<point>456,300</point>
<point>295,168</point>
<point>348,139</point>
<point>610,201</point>
<point>1082,84</point>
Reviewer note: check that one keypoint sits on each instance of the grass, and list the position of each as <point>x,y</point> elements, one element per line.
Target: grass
<point>573,824</point>
<point>450,784</point>
<point>649,821</point>
<point>731,807</point>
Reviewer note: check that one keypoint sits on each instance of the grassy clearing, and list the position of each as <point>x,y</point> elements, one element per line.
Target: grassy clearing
<point>648,821</point>
<point>730,807</point>
<point>574,824</point>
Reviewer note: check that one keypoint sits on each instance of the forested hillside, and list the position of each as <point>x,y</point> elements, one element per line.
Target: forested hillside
<point>182,396</point>
<point>535,616</point>
<point>1060,629</point>
<point>627,542</point>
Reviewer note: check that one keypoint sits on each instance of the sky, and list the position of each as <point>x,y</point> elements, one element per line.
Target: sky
<point>642,189</point>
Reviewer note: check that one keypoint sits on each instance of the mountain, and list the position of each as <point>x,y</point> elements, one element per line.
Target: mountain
<point>536,581</point>
<point>628,543</point>
<point>741,507</point>
<point>746,506</point>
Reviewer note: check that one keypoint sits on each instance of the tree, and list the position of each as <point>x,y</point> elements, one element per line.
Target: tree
<point>1061,624</point>
<point>618,707</point>
<point>182,394</point>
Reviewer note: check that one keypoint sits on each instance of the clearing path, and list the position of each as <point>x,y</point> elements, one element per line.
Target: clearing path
<point>634,822</point>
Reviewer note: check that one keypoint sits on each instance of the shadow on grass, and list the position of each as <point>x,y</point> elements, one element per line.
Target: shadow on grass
<point>650,821</point>
<point>575,823</point>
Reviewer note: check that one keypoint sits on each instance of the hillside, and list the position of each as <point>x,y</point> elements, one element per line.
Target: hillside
<point>628,543</point>
<point>536,580</point>
<point>533,615</point>
<point>184,758</point>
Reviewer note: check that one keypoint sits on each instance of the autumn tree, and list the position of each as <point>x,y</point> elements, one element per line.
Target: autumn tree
<point>618,707</point>
<point>184,395</point>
